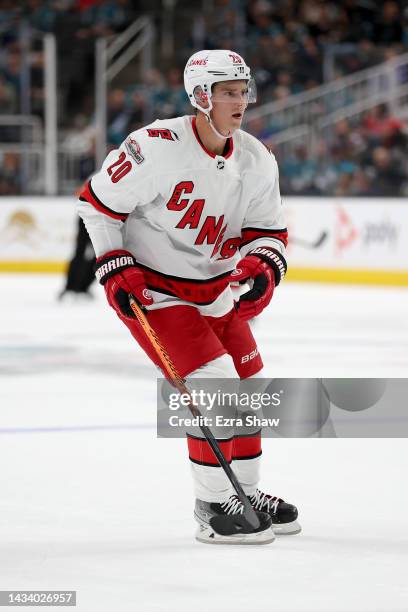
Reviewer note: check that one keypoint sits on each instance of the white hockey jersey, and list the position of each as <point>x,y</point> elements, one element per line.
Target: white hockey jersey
<point>185,214</point>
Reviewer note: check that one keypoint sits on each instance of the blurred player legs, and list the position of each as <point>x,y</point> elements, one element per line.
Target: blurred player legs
<point>81,269</point>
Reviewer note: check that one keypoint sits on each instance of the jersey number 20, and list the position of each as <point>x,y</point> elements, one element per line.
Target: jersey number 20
<point>123,168</point>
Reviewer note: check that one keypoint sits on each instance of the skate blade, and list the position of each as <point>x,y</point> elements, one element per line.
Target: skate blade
<point>286,528</point>
<point>207,535</point>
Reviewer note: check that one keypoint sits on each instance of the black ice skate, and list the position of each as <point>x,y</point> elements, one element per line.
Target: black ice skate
<point>214,529</point>
<point>283,515</point>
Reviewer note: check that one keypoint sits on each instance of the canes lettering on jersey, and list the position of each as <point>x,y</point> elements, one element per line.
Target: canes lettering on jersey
<point>212,229</point>
<point>183,187</point>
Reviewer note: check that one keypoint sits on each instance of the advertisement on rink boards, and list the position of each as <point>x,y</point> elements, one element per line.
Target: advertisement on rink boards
<point>345,240</point>
<point>285,408</point>
<point>37,234</point>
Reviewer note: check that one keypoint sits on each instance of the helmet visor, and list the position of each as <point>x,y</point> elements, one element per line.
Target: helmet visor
<point>234,92</point>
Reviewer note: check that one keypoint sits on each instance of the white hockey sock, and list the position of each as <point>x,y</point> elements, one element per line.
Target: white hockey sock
<point>248,473</point>
<point>211,483</point>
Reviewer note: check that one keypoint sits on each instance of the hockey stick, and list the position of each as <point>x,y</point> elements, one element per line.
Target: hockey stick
<point>310,245</point>
<point>249,513</point>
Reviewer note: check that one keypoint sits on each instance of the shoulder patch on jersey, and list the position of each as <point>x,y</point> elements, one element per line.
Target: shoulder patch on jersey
<point>134,150</point>
<point>163,133</point>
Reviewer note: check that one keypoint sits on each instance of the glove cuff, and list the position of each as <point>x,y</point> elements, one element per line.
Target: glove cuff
<point>112,263</point>
<point>274,259</point>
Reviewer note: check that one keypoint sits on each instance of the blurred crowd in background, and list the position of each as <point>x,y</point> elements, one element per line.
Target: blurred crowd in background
<point>365,157</point>
<point>292,46</point>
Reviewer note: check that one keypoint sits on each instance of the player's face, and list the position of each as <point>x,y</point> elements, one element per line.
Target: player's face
<point>229,100</point>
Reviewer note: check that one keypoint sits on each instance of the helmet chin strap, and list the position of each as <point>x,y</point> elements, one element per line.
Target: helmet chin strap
<point>207,114</point>
<point>214,129</point>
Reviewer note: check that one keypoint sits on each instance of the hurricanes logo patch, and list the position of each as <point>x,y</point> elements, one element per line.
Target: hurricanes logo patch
<point>134,150</point>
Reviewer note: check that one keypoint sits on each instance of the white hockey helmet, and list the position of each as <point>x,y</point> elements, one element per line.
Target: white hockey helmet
<point>205,68</point>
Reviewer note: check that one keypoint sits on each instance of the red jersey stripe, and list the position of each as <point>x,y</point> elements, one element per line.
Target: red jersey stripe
<point>200,451</point>
<point>88,195</point>
<point>249,234</point>
<point>247,447</point>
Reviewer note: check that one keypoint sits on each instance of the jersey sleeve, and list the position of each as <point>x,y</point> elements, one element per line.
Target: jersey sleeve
<point>104,231</point>
<point>264,224</point>
<point>125,181</point>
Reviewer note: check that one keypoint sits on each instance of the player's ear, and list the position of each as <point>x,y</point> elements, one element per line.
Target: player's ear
<point>201,97</point>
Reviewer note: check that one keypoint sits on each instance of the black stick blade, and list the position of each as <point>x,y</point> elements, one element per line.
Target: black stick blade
<point>232,524</point>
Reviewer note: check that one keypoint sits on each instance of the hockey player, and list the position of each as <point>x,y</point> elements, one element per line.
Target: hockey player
<point>182,209</point>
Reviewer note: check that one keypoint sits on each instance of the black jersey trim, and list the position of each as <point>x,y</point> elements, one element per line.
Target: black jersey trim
<point>216,465</point>
<point>246,457</point>
<point>264,230</point>
<point>110,210</point>
<point>88,195</point>
<point>186,280</point>
<point>201,439</point>
<point>255,434</point>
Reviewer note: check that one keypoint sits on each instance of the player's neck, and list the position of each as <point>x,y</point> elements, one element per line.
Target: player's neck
<point>208,137</point>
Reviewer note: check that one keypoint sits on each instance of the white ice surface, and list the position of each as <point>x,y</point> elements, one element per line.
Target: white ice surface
<point>90,500</point>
